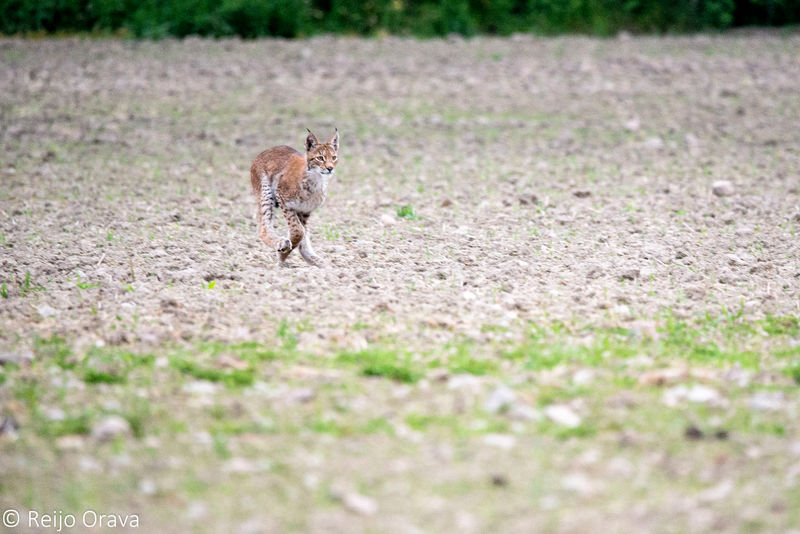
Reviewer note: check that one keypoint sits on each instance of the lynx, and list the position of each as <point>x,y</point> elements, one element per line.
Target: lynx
<point>297,183</point>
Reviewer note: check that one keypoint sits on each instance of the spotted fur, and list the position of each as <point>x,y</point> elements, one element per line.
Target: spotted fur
<point>298,184</point>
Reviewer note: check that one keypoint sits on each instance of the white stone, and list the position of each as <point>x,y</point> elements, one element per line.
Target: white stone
<point>111,427</point>
<point>46,311</point>
<point>562,415</point>
<point>722,188</point>
<point>501,441</point>
<point>360,504</point>
<point>499,400</point>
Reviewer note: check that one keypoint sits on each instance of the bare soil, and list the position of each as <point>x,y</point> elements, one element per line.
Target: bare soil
<point>485,186</point>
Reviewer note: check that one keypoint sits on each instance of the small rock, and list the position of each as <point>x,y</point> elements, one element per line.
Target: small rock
<point>388,220</point>
<point>499,480</point>
<point>528,198</point>
<point>302,395</point>
<point>562,415</point>
<point>17,357</point>
<point>200,387</point>
<point>716,493</point>
<point>501,441</point>
<point>360,504</point>
<point>523,412</point>
<point>722,188</point>
<point>46,311</point>
<point>660,377</point>
<point>71,442</point>
<point>630,274</point>
<point>579,483</point>
<point>466,382</point>
<point>582,377</point>
<point>582,194</point>
<point>111,427</point>
<point>8,428</point>
<point>499,400</point>
<point>693,433</point>
<point>239,465</point>
<point>632,125</point>
<point>446,203</point>
<point>697,393</point>
<point>147,486</point>
<point>767,401</point>
<point>653,143</point>
<point>702,394</point>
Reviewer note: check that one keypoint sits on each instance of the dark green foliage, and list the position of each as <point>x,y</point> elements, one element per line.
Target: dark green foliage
<point>293,18</point>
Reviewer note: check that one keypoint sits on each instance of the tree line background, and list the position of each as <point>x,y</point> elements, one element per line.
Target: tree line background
<point>295,18</point>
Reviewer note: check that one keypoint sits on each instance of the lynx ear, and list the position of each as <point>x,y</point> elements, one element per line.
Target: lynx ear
<point>334,142</point>
<point>311,141</point>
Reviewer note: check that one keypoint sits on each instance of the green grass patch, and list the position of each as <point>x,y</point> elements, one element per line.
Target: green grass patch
<point>384,363</point>
<point>70,424</point>
<point>407,211</point>
<point>229,377</point>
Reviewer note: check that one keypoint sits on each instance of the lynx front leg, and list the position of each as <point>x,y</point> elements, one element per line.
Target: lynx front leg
<point>306,251</point>
<point>266,231</point>
<point>296,233</point>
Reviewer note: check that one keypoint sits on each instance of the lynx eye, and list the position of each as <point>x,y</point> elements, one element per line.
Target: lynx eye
<point>335,158</point>
<point>321,158</point>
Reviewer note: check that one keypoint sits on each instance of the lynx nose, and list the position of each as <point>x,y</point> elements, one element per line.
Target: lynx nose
<point>329,169</point>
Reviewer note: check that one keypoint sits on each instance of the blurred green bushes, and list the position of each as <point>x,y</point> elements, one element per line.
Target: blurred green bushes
<point>292,18</point>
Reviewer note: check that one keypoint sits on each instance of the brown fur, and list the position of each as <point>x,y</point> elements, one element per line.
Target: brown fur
<point>297,183</point>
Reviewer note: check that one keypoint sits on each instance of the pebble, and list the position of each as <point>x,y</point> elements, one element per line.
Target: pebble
<point>16,357</point>
<point>111,427</point>
<point>46,311</point>
<point>582,377</point>
<point>632,125</point>
<point>147,487</point>
<point>499,400</point>
<point>388,220</point>
<point>70,443</point>
<point>654,143</point>
<point>8,428</point>
<point>239,465</point>
<point>360,504</point>
<point>722,188</point>
<point>697,393</point>
<point>501,441</point>
<point>767,400</point>
<point>562,415</point>
<point>579,483</point>
<point>630,274</point>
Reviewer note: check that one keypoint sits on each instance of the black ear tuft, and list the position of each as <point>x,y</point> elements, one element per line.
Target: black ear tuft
<point>334,142</point>
<point>311,141</point>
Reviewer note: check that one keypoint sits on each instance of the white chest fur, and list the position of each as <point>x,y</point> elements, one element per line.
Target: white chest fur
<point>313,190</point>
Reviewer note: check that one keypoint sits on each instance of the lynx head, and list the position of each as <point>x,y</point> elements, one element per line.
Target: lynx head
<point>322,157</point>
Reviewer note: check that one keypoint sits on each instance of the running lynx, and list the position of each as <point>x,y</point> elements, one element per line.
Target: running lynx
<point>297,183</point>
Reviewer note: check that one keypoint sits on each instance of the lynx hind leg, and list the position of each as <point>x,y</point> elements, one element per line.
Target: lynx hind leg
<point>266,230</point>
<point>306,250</point>
<point>296,233</point>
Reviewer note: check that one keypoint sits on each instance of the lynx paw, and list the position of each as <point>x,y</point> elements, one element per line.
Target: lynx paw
<point>284,246</point>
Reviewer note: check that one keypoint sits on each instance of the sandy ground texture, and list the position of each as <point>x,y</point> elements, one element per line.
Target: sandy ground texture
<point>485,187</point>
